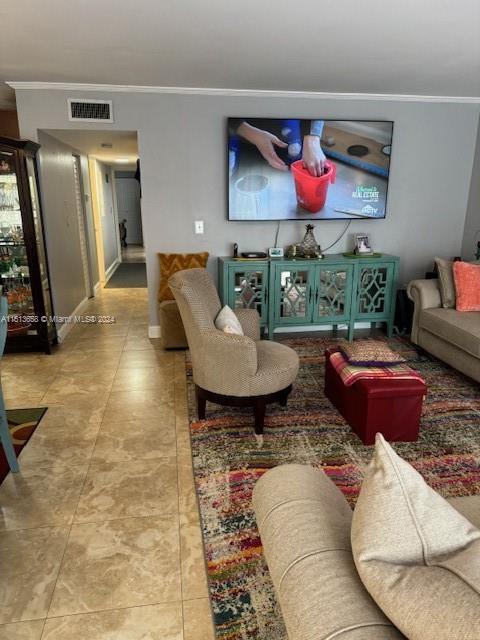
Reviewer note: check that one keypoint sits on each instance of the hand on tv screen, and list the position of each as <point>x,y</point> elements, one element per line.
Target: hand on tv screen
<point>313,156</point>
<point>265,143</point>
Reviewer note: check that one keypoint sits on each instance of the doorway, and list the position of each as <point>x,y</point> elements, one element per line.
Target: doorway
<point>131,273</point>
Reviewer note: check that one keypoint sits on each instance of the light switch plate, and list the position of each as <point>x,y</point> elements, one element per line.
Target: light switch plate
<point>198,226</point>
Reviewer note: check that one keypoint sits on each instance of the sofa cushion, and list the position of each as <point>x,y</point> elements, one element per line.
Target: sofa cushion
<point>467,286</point>
<point>446,282</point>
<point>468,506</point>
<point>455,327</point>
<point>417,556</point>
<point>304,523</point>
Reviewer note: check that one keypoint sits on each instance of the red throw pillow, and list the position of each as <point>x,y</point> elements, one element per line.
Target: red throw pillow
<point>467,285</point>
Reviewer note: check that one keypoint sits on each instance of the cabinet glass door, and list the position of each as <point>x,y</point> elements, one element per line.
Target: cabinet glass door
<point>374,290</point>
<point>39,239</point>
<point>294,295</point>
<point>14,267</point>
<point>333,293</point>
<point>248,290</point>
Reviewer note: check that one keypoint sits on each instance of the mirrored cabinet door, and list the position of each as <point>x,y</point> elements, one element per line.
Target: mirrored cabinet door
<point>375,289</point>
<point>248,289</point>
<point>294,294</point>
<point>333,292</point>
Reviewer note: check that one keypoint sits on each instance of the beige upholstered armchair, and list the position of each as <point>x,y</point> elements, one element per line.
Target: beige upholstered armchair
<point>230,369</point>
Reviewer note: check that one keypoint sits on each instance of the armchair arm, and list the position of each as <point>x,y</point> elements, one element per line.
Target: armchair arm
<point>425,294</point>
<point>250,321</point>
<point>229,363</point>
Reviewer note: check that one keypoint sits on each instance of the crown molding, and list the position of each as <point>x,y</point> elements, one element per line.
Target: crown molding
<point>254,93</point>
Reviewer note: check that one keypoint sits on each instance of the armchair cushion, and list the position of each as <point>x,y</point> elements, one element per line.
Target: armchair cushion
<point>277,368</point>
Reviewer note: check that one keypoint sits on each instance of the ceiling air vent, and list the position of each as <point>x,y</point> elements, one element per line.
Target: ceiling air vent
<point>91,110</point>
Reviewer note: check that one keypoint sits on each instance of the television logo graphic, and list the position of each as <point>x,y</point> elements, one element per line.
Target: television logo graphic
<point>369,210</point>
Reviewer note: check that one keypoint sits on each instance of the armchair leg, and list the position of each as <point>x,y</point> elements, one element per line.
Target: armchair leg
<point>201,403</point>
<point>259,403</point>
<point>259,409</point>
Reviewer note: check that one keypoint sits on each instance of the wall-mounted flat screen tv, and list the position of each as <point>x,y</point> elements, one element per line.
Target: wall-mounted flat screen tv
<point>292,169</point>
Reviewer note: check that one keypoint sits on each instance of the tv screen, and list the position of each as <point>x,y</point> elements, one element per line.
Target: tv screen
<point>292,169</point>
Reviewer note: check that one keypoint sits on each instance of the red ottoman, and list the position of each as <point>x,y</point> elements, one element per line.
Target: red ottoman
<point>391,407</point>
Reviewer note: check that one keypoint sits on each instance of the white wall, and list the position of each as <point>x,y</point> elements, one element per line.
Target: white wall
<point>472,221</point>
<point>182,148</point>
<point>62,233</point>
<point>108,214</point>
<point>89,215</point>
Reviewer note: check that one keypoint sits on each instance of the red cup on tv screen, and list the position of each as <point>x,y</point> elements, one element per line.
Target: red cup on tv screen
<point>312,190</point>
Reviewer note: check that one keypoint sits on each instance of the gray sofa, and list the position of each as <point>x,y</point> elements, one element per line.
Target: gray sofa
<point>450,335</point>
<point>304,523</point>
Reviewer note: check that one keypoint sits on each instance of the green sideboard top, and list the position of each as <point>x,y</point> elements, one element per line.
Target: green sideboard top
<point>329,257</point>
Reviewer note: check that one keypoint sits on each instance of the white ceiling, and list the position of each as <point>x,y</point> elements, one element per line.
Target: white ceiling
<point>424,47</point>
<point>124,144</point>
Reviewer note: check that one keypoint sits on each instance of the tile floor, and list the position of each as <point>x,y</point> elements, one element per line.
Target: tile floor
<point>99,533</point>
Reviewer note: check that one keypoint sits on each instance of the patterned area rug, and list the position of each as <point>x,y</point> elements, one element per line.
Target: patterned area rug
<point>21,423</point>
<point>228,459</point>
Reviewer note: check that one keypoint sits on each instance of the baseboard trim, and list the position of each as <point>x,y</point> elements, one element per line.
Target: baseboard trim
<point>64,328</point>
<point>319,327</point>
<point>154,331</point>
<point>111,270</point>
<point>97,288</point>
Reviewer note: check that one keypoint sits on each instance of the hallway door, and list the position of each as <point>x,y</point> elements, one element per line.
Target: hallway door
<point>82,225</point>
<point>128,205</point>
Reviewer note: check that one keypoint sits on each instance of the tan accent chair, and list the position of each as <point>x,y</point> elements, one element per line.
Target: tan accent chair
<point>230,369</point>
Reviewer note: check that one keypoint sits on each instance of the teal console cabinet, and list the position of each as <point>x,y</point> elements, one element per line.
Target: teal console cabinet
<point>335,290</point>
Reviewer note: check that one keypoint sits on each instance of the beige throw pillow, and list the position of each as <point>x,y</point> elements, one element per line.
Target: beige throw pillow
<point>446,282</point>
<point>416,555</point>
<point>228,322</point>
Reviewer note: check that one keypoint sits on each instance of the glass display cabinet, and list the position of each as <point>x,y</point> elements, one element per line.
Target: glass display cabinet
<point>23,260</point>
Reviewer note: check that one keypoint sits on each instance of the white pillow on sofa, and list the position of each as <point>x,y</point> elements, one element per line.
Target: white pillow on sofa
<point>416,555</point>
<point>228,322</point>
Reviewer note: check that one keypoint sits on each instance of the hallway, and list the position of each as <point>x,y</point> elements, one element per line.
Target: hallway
<point>99,532</point>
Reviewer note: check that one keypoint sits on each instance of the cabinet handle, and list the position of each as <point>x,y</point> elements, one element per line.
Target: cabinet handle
<point>310,294</point>
<point>316,295</point>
